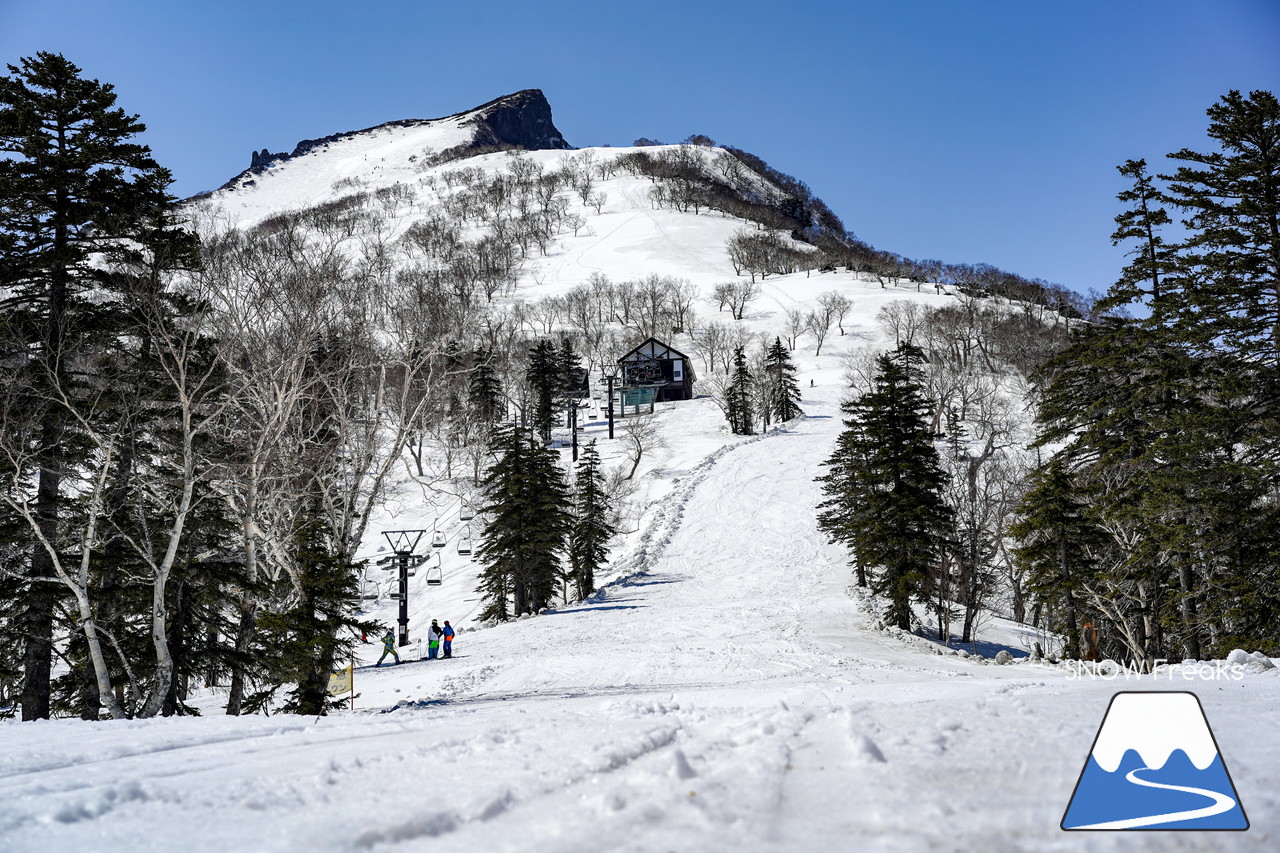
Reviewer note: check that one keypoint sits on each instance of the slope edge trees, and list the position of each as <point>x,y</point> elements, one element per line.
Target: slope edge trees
<point>694,176</point>
<point>526,525</point>
<point>782,395</point>
<point>592,524</point>
<point>884,489</point>
<point>1168,423</point>
<point>190,448</point>
<point>77,196</point>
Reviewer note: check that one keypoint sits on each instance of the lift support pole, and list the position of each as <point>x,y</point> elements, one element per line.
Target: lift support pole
<point>404,597</point>
<point>403,542</point>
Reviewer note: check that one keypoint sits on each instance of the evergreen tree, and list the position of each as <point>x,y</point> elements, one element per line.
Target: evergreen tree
<point>527,521</point>
<point>783,403</point>
<point>888,464</point>
<point>1057,540</point>
<point>315,632</point>
<point>592,528</point>
<point>484,392</point>
<point>740,406</point>
<point>1154,262</point>
<point>570,371</point>
<point>546,379</point>
<point>1233,250</point>
<point>454,380</point>
<point>76,196</point>
<point>1167,421</point>
<point>310,625</point>
<point>846,485</point>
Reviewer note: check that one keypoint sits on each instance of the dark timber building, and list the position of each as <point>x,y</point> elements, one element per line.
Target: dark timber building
<point>655,365</point>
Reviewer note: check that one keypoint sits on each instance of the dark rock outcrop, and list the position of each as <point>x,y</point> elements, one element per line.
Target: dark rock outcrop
<point>259,160</point>
<point>520,120</point>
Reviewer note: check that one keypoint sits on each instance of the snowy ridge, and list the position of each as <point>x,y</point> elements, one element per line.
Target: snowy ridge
<point>380,156</point>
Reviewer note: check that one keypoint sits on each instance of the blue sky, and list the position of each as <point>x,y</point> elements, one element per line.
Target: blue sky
<point>966,131</point>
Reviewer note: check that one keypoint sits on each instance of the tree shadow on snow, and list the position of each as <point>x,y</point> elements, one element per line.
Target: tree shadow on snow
<point>980,647</point>
<point>596,607</point>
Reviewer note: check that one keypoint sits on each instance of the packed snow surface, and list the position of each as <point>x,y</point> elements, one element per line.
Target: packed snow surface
<point>728,694</point>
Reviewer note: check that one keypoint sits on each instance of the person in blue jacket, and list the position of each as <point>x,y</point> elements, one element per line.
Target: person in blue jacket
<point>388,648</point>
<point>448,639</point>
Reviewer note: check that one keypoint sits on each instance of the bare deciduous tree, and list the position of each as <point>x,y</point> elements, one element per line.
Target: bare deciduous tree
<point>640,435</point>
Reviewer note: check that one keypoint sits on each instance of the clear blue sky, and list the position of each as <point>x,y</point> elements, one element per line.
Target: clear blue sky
<point>967,131</point>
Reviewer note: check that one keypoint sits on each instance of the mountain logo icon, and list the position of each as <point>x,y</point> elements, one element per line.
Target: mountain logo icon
<point>1155,765</point>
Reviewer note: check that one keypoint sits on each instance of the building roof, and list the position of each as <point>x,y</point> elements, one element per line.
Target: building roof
<point>652,347</point>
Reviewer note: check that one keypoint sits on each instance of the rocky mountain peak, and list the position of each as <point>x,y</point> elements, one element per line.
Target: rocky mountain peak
<point>521,119</point>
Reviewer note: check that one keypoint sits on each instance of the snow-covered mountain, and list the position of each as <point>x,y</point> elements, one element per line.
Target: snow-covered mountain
<point>726,689</point>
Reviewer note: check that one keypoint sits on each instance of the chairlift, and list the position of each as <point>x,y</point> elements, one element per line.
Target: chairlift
<point>464,541</point>
<point>438,539</point>
<point>467,512</point>
<point>435,576</point>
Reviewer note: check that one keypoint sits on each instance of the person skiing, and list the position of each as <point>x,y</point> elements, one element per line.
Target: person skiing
<point>433,640</point>
<point>448,639</point>
<point>388,647</point>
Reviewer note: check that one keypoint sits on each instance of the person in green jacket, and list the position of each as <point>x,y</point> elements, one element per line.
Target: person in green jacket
<point>388,648</point>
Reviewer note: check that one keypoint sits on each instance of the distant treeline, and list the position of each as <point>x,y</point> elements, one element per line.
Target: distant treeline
<point>742,185</point>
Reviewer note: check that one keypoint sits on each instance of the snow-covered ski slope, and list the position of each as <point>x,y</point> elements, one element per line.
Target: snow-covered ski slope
<point>725,690</point>
<point>727,695</point>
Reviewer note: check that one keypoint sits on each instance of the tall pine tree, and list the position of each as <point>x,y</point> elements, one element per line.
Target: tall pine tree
<point>783,403</point>
<point>740,405</point>
<point>484,392</point>
<point>592,528</point>
<point>885,490</point>
<point>1168,421</point>
<point>1232,253</point>
<point>76,194</point>
<point>527,521</point>
<point>546,380</point>
<point>1057,540</point>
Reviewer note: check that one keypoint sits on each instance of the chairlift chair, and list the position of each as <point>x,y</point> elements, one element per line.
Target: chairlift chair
<point>438,539</point>
<point>435,576</point>
<point>464,545</point>
<point>467,512</point>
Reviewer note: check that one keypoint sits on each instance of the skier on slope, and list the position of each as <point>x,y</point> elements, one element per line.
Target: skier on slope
<point>388,647</point>
<point>448,639</point>
<point>433,640</point>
